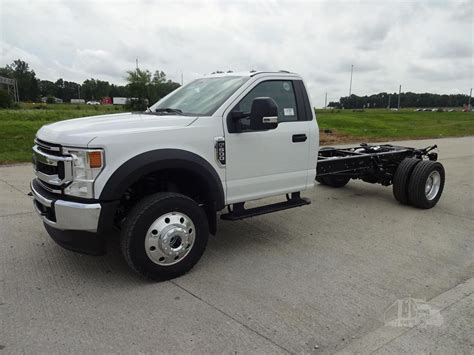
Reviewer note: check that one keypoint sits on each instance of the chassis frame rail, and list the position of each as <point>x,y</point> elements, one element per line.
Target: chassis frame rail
<point>371,163</point>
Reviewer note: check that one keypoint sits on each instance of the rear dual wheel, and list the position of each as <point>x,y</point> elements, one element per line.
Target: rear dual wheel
<point>426,184</point>
<point>402,179</point>
<point>419,182</point>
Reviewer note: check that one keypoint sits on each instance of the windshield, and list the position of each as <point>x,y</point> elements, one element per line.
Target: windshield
<point>201,97</point>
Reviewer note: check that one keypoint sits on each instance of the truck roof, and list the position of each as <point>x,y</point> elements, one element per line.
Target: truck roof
<point>250,73</point>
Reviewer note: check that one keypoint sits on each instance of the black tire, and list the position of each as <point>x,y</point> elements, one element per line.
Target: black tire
<point>138,222</point>
<point>332,180</point>
<point>402,178</point>
<point>320,180</point>
<point>335,180</point>
<point>418,180</point>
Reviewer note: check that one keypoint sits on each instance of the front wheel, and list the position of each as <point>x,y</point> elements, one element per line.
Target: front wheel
<point>164,236</point>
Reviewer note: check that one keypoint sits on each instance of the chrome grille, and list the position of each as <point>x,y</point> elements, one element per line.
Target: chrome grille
<point>51,167</point>
<point>50,148</point>
<point>47,169</point>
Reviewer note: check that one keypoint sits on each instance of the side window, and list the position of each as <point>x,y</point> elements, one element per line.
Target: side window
<point>281,91</point>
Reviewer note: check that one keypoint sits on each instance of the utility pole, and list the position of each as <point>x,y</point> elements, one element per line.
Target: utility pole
<point>326,100</point>
<point>78,91</point>
<point>350,85</point>
<point>181,78</point>
<point>136,61</point>
<point>389,97</point>
<point>469,102</point>
<point>399,93</point>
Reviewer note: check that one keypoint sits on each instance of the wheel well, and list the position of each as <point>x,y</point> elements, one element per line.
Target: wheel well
<point>186,182</point>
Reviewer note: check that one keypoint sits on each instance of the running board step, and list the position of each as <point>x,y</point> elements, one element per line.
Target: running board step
<point>239,212</point>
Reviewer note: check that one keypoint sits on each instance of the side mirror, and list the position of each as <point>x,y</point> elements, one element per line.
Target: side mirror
<point>263,114</point>
<point>238,115</point>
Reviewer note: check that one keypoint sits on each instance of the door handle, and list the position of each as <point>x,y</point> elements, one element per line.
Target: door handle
<point>299,138</point>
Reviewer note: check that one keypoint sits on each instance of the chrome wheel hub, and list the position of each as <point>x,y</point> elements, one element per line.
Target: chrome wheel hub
<point>432,185</point>
<point>170,238</point>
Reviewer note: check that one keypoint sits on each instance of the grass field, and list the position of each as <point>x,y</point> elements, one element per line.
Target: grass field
<point>380,124</point>
<point>18,127</point>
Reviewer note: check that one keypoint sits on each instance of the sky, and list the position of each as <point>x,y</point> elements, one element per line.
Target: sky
<point>425,46</point>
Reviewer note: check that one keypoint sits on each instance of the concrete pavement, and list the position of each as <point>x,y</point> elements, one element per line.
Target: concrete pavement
<point>313,279</point>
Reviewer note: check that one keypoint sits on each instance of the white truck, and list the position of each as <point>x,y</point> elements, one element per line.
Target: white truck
<point>158,178</point>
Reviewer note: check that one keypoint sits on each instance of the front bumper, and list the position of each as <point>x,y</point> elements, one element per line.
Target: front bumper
<point>65,215</point>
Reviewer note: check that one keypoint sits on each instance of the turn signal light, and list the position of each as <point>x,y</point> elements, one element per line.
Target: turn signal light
<point>95,159</point>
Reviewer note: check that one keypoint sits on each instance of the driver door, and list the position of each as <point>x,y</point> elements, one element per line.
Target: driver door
<point>275,161</point>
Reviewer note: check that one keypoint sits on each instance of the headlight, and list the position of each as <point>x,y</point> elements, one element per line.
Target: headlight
<point>87,164</point>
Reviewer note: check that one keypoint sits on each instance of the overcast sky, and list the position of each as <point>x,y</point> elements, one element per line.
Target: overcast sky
<point>427,46</point>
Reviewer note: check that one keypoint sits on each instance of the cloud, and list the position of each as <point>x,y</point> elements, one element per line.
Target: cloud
<point>424,46</point>
<point>452,49</point>
<point>449,73</point>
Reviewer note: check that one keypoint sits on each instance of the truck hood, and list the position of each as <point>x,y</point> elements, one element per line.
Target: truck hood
<point>80,131</point>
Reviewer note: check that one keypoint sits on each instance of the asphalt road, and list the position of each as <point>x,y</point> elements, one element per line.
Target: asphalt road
<point>311,279</point>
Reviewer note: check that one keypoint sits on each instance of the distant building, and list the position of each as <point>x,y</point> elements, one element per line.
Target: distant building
<point>78,101</point>
<point>120,100</point>
<point>106,101</point>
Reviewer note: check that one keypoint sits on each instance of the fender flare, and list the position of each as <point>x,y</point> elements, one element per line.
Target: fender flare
<point>162,159</point>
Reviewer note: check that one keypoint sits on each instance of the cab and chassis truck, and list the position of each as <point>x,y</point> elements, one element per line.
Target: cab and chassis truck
<point>159,178</point>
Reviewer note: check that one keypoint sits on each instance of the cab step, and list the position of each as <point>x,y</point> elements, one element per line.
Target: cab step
<point>239,212</point>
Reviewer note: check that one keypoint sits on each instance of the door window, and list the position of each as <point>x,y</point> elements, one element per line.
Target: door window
<point>281,91</point>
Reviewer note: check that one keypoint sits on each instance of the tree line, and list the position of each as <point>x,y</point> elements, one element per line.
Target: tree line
<point>147,87</point>
<point>407,99</point>
<point>141,84</point>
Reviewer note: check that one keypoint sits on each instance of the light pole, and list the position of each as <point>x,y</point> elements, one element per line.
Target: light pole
<point>469,102</point>
<point>350,85</point>
<point>399,93</point>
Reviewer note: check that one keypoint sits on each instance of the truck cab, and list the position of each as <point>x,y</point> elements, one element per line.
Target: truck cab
<point>158,178</point>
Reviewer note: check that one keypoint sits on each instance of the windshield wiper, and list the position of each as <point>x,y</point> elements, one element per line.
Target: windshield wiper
<point>170,110</point>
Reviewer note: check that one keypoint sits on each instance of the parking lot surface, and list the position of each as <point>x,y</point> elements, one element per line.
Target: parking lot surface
<point>320,278</point>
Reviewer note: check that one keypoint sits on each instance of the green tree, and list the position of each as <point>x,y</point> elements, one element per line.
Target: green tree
<point>94,89</point>
<point>118,91</point>
<point>139,82</point>
<point>28,87</point>
<point>144,86</point>
<point>59,88</point>
<point>71,91</point>
<point>5,99</point>
<point>47,88</point>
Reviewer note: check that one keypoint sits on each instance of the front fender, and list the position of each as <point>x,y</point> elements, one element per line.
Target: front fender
<point>158,160</point>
